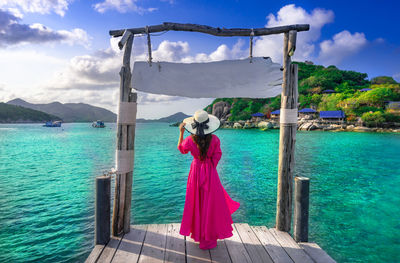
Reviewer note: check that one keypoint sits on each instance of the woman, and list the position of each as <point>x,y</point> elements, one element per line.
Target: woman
<point>208,207</point>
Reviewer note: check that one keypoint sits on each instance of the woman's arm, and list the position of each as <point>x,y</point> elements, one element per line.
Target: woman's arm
<point>217,152</point>
<point>182,130</point>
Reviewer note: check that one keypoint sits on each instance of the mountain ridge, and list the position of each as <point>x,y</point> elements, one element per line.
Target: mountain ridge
<point>18,114</point>
<point>69,112</point>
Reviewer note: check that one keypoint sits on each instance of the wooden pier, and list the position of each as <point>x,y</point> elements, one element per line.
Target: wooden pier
<point>163,243</point>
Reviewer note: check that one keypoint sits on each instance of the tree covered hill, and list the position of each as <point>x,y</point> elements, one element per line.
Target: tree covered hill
<point>70,112</point>
<point>313,80</point>
<point>17,114</point>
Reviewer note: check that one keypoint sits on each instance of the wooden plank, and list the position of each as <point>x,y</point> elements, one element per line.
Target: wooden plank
<point>95,254</point>
<point>236,249</point>
<point>131,245</point>
<point>175,247</point>
<point>220,253</point>
<point>274,249</point>
<point>154,244</point>
<point>253,246</point>
<point>194,254</point>
<point>296,253</point>
<point>109,250</point>
<point>216,31</point>
<point>316,253</point>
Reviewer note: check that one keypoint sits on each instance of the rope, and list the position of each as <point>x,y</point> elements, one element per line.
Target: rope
<point>149,44</point>
<point>251,45</point>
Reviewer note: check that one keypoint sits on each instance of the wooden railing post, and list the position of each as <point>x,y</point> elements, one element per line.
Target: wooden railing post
<point>301,206</point>
<point>125,144</point>
<point>102,210</point>
<point>287,138</point>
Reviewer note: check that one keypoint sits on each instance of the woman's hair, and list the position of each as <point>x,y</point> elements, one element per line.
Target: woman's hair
<point>203,142</point>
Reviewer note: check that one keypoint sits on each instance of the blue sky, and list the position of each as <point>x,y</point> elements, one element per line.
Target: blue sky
<point>64,53</point>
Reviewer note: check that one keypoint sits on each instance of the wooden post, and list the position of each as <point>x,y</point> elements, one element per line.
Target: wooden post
<point>287,139</point>
<point>301,204</point>
<point>125,142</point>
<point>102,211</point>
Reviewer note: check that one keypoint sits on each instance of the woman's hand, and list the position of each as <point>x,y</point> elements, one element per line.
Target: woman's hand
<point>182,127</point>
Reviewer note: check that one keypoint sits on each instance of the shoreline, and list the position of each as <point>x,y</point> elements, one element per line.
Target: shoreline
<point>311,125</point>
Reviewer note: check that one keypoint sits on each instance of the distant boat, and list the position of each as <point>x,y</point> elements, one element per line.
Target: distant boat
<point>52,124</point>
<point>98,124</point>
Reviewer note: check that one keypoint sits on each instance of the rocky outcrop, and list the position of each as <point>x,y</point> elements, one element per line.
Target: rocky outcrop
<point>237,125</point>
<point>265,125</point>
<point>221,110</point>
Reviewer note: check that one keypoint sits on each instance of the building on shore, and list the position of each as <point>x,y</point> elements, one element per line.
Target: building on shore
<point>328,91</point>
<point>307,112</point>
<point>332,116</point>
<point>365,89</point>
<point>257,116</point>
<point>275,114</point>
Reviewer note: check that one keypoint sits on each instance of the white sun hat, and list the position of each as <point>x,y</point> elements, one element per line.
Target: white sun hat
<point>201,123</point>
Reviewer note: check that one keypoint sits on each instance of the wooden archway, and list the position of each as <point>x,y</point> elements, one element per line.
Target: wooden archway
<point>127,117</point>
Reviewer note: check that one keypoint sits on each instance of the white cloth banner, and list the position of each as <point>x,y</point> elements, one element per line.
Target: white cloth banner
<point>222,79</point>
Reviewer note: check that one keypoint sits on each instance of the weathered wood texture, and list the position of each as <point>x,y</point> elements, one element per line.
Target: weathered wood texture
<point>175,247</point>
<point>163,243</point>
<point>256,252</point>
<point>125,141</point>
<point>236,248</point>
<point>301,205</point>
<point>295,252</point>
<point>131,245</point>
<point>95,254</point>
<point>102,210</point>
<point>271,245</point>
<point>154,244</point>
<point>216,31</point>
<point>194,254</point>
<point>287,140</point>
<point>109,250</point>
<point>316,253</point>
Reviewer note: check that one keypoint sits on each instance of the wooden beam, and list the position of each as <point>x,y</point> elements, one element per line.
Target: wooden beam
<point>216,31</point>
<point>125,141</point>
<point>287,139</point>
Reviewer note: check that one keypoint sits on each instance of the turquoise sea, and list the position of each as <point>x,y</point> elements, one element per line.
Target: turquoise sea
<point>47,186</point>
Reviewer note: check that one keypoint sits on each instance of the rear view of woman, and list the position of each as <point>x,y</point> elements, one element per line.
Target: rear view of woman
<point>208,207</point>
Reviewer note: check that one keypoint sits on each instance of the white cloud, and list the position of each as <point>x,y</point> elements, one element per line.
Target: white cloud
<point>396,77</point>
<point>36,6</point>
<point>271,45</point>
<point>34,66</point>
<point>342,45</point>
<point>12,32</point>
<point>122,6</point>
<point>98,73</point>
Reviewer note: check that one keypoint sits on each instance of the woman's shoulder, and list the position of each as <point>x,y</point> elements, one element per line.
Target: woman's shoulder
<point>215,138</point>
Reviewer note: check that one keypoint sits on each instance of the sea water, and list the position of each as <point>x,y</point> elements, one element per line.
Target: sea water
<point>47,186</point>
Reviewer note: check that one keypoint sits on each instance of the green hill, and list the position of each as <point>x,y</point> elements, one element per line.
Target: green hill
<point>70,112</point>
<point>313,80</point>
<point>17,114</point>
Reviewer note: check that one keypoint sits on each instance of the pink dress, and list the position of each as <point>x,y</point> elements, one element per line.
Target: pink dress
<point>208,207</point>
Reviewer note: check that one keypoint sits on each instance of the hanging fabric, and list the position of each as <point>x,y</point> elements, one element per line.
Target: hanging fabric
<point>222,79</point>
